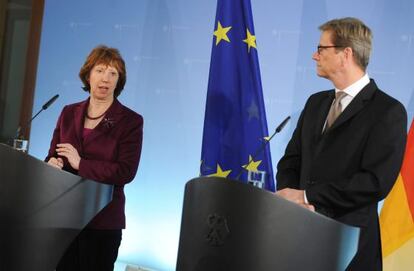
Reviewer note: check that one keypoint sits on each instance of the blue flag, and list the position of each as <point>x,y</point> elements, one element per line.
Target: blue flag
<point>235,125</point>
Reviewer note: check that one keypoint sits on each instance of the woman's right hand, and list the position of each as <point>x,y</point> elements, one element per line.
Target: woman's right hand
<point>56,162</point>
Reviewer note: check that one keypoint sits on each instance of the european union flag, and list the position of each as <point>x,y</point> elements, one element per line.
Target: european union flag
<point>235,125</point>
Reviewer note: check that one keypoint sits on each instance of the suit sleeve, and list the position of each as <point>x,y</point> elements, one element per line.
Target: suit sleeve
<point>55,139</point>
<point>288,168</point>
<point>122,170</point>
<point>379,168</point>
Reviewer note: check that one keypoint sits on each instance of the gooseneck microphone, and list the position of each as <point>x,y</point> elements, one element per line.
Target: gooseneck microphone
<point>280,127</point>
<point>47,104</point>
<point>261,147</point>
<point>44,107</point>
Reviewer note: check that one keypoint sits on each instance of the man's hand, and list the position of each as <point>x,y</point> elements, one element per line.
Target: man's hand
<point>296,196</point>
<point>310,207</point>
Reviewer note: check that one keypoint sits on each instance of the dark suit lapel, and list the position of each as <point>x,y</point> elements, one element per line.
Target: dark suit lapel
<point>356,105</point>
<point>322,113</point>
<point>79,115</point>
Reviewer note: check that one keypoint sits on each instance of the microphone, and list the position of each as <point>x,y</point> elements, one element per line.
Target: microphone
<point>280,127</point>
<point>261,148</point>
<point>44,107</point>
<point>48,103</point>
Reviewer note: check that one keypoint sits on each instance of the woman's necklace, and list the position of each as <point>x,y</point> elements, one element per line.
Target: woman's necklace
<point>95,118</point>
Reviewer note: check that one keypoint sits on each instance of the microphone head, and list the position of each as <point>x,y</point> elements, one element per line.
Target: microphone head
<point>282,125</point>
<point>48,103</point>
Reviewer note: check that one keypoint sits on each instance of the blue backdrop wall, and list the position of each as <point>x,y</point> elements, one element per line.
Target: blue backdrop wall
<point>167,46</point>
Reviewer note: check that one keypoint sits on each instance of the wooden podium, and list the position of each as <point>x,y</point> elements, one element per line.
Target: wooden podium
<point>42,210</point>
<point>228,225</point>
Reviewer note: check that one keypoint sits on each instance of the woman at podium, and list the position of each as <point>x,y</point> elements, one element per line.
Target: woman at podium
<point>99,139</point>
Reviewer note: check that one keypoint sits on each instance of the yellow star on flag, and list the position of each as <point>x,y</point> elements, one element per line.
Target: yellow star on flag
<point>253,165</point>
<point>220,172</point>
<point>250,40</point>
<point>221,33</point>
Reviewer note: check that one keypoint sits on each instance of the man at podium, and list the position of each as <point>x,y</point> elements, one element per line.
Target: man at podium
<point>99,139</point>
<point>346,151</point>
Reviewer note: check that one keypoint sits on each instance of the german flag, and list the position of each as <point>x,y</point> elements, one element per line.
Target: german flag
<point>397,216</point>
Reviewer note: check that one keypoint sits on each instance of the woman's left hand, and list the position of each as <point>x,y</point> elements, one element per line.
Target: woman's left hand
<point>68,151</point>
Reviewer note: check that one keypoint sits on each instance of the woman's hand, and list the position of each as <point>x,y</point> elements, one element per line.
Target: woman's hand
<point>56,162</point>
<point>68,151</point>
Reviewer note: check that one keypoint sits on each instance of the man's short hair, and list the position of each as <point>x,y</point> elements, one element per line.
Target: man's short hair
<point>353,33</point>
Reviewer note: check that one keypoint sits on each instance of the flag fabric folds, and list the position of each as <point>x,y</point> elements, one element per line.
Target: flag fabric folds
<point>235,125</point>
<point>397,216</point>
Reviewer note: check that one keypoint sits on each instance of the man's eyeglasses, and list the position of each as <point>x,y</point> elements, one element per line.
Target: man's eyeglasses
<point>321,47</point>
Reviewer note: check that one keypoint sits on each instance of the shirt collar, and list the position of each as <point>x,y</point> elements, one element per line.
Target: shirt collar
<point>356,87</point>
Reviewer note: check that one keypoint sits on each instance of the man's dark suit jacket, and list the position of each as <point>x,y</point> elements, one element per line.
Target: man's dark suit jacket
<point>349,168</point>
<point>110,153</point>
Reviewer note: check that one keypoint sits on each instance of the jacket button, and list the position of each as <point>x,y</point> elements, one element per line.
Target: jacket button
<point>310,182</point>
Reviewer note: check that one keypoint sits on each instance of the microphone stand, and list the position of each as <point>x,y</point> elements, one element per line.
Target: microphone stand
<point>21,144</point>
<point>261,147</point>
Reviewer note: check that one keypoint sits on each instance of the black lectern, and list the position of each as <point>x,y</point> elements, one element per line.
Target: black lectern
<point>228,225</point>
<point>42,209</point>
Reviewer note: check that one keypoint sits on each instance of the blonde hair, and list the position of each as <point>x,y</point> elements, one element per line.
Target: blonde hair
<point>353,33</point>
